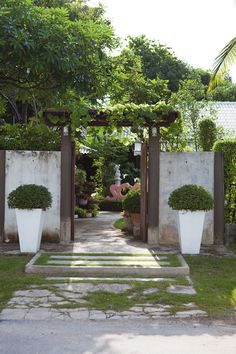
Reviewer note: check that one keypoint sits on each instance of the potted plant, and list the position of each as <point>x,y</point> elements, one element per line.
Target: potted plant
<point>131,205</point>
<point>191,201</point>
<point>29,201</point>
<point>83,199</point>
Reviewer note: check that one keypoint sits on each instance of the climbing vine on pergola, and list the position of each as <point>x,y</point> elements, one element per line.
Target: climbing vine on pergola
<point>140,116</point>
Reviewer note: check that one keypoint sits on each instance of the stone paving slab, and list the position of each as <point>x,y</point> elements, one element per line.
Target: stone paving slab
<point>37,303</point>
<point>134,262</point>
<point>76,279</point>
<point>121,257</point>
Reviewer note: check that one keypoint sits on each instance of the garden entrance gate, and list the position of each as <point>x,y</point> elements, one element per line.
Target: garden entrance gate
<point>150,168</point>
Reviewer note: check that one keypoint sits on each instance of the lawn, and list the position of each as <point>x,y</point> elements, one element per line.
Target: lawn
<point>12,277</point>
<point>214,279</point>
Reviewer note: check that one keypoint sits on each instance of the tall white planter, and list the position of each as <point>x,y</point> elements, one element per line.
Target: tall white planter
<point>190,225</point>
<point>30,227</point>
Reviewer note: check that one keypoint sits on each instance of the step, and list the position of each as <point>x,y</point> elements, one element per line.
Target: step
<point>107,269</point>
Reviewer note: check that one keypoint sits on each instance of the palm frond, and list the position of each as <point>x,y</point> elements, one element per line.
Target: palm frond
<point>225,59</point>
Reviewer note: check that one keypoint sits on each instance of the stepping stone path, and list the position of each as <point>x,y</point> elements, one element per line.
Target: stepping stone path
<point>53,303</point>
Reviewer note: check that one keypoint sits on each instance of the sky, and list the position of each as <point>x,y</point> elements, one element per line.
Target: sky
<point>195,30</point>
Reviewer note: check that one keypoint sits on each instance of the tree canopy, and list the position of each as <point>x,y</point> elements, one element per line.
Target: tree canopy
<point>46,49</point>
<point>158,61</point>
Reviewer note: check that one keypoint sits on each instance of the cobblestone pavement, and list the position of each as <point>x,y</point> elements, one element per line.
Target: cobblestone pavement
<point>66,300</point>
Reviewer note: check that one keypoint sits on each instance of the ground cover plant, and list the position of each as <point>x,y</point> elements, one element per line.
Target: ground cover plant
<point>120,224</point>
<point>213,277</point>
<point>12,277</point>
<point>100,257</point>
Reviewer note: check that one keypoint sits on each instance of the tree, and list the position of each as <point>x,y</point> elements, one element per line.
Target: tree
<point>158,61</point>
<point>207,134</point>
<point>130,84</point>
<point>44,50</point>
<point>189,100</point>
<point>223,62</point>
<point>224,91</point>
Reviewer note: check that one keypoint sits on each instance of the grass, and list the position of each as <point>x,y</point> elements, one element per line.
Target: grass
<point>12,277</point>
<point>214,279</point>
<point>232,247</point>
<point>45,257</point>
<point>119,224</point>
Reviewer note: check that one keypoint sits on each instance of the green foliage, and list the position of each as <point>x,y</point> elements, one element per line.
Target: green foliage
<point>226,91</point>
<point>190,197</point>
<point>37,137</point>
<point>109,205</point>
<point>132,200</point>
<point>228,148</point>
<point>138,115</point>
<point>130,83</point>
<point>47,48</point>
<point>207,134</point>
<point>190,103</point>
<point>110,148</point>
<point>80,179</point>
<point>82,213</point>
<point>158,61</point>
<point>30,196</point>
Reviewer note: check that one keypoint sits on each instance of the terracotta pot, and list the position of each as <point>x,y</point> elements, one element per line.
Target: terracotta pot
<point>128,223</point>
<point>136,219</point>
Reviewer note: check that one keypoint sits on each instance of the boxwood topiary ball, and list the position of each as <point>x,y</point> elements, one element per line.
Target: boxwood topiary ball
<point>30,196</point>
<point>191,197</point>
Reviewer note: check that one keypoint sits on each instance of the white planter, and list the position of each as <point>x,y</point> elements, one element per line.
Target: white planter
<point>83,202</point>
<point>30,227</point>
<point>190,225</point>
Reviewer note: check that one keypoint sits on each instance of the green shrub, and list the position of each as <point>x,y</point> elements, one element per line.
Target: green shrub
<point>228,148</point>
<point>190,197</point>
<point>131,203</point>
<point>82,213</point>
<point>207,134</point>
<point>37,137</point>
<point>109,205</point>
<point>30,196</point>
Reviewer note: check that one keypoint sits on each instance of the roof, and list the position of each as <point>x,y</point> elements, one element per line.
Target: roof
<point>226,115</point>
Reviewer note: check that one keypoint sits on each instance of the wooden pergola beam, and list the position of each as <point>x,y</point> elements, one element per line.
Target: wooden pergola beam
<point>101,119</point>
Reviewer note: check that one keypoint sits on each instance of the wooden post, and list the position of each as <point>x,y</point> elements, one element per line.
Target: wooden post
<point>153,186</point>
<point>219,199</point>
<point>143,207</point>
<point>73,156</point>
<point>2,193</point>
<point>66,186</point>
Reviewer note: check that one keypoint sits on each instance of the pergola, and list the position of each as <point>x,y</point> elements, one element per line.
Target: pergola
<point>150,169</point>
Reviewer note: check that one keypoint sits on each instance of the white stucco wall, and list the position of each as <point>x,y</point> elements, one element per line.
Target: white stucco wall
<point>176,170</point>
<point>34,167</point>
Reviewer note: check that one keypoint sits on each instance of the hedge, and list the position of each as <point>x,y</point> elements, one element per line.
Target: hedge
<point>228,148</point>
<point>37,137</point>
<point>109,205</point>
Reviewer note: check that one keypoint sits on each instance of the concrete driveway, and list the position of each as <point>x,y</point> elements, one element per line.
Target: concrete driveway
<point>116,337</point>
